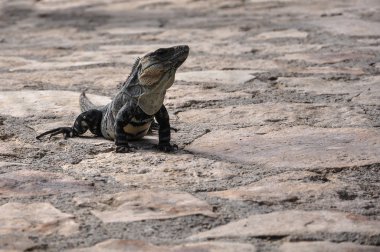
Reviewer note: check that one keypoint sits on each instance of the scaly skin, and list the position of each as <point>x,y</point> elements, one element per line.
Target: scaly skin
<point>138,102</point>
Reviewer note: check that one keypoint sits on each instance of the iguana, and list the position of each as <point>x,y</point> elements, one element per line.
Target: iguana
<point>132,111</point>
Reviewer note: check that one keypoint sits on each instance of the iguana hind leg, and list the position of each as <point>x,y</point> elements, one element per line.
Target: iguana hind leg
<point>89,120</point>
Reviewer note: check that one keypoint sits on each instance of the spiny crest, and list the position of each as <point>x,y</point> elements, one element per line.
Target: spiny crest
<point>137,61</point>
<point>133,71</point>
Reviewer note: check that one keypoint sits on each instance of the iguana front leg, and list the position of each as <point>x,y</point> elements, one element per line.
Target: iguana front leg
<point>88,120</point>
<point>123,117</point>
<point>162,118</point>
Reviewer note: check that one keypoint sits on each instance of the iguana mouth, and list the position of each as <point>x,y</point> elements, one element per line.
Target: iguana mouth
<point>181,56</point>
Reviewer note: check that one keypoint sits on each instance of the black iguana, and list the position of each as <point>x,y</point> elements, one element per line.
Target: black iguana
<point>140,99</point>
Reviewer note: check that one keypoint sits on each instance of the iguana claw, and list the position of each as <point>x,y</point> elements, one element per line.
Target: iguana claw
<point>125,148</point>
<point>166,147</point>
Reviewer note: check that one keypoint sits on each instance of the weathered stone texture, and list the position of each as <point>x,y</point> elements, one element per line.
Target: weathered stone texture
<point>293,148</point>
<point>146,204</point>
<point>294,222</point>
<point>277,109</point>
<point>325,247</point>
<point>137,246</point>
<point>35,219</point>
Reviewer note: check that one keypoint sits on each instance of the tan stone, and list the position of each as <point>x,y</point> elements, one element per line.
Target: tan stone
<point>25,183</point>
<point>286,49</point>
<point>47,102</point>
<point>327,58</point>
<point>215,34</point>
<point>54,65</point>
<point>325,246</point>
<point>158,171</point>
<point>319,86</point>
<point>183,95</point>
<point>15,243</point>
<point>288,186</point>
<point>14,147</point>
<point>348,26</point>
<point>293,148</point>
<point>320,115</point>
<point>294,222</point>
<point>140,246</point>
<point>231,77</point>
<point>291,33</point>
<point>8,164</point>
<point>108,78</point>
<point>145,205</point>
<point>365,91</point>
<point>35,219</point>
<point>322,70</point>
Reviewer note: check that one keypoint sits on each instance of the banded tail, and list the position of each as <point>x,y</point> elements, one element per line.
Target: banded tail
<point>85,104</point>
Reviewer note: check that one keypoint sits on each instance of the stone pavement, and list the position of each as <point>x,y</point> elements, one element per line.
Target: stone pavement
<point>278,111</point>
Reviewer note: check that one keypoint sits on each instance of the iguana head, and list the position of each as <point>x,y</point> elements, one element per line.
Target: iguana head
<point>158,68</point>
<point>152,75</point>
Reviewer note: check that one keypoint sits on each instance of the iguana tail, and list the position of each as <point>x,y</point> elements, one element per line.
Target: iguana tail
<point>85,103</point>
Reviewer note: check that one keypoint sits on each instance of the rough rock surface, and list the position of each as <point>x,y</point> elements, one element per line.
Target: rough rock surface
<point>278,111</point>
<point>140,246</point>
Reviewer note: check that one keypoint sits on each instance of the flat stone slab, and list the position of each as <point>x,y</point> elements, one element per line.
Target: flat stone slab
<point>146,205</point>
<point>348,26</point>
<point>319,115</point>
<point>288,186</point>
<point>327,58</point>
<point>231,77</point>
<point>24,183</point>
<point>293,222</point>
<point>141,246</point>
<point>325,246</point>
<point>185,95</point>
<point>15,243</point>
<point>293,148</point>
<point>363,92</point>
<point>291,33</point>
<point>277,109</point>
<point>35,219</point>
<point>322,70</point>
<point>158,171</point>
<point>270,48</point>
<point>47,102</point>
